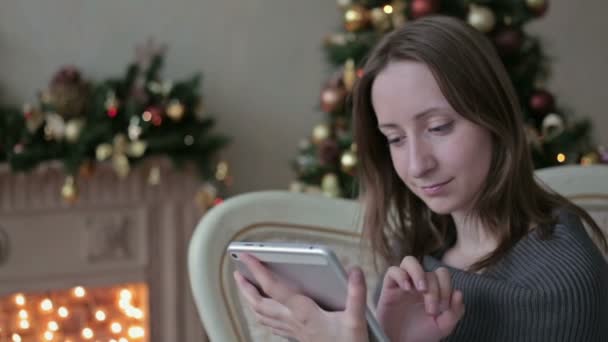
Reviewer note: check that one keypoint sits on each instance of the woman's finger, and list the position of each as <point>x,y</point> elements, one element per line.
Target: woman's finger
<point>270,284</point>
<point>397,277</point>
<point>260,305</point>
<point>415,271</point>
<point>431,296</point>
<point>356,297</point>
<point>273,324</point>
<point>448,319</point>
<point>445,287</point>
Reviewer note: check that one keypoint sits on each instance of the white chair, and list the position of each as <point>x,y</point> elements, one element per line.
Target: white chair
<point>284,216</point>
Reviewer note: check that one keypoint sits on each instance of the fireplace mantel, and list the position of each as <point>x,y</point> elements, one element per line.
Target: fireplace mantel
<point>119,230</point>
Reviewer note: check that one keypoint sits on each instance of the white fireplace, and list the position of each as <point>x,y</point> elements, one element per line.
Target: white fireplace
<point>122,243</point>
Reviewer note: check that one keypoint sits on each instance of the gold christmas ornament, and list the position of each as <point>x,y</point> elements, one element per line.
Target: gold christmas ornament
<point>69,191</point>
<point>536,4</point>
<point>590,158</point>
<point>175,110</point>
<point>134,130</point>
<point>381,19</point>
<point>55,127</point>
<point>330,185</point>
<point>552,126</point>
<point>154,176</point>
<point>221,171</point>
<point>103,152</point>
<point>356,17</point>
<point>350,74</point>
<point>121,165</point>
<point>320,133</point>
<point>137,148</point>
<point>205,196</point>
<point>348,162</point>
<point>73,128</point>
<point>482,18</point>
<point>119,151</point>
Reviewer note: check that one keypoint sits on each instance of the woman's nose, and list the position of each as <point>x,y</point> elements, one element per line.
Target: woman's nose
<point>421,159</point>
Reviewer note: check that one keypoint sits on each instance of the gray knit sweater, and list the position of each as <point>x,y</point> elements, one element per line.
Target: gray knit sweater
<point>554,289</point>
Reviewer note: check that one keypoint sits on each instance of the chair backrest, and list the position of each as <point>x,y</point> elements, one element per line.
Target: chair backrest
<point>586,186</point>
<point>284,216</point>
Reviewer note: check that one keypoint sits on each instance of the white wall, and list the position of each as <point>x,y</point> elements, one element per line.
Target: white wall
<point>262,61</point>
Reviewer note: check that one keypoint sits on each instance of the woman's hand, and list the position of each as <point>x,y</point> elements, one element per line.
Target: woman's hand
<point>418,306</point>
<point>290,314</point>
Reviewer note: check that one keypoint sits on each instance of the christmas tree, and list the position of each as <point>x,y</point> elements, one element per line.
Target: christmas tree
<point>326,162</point>
<point>121,121</point>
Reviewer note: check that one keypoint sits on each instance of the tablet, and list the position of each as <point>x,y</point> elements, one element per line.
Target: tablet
<point>313,269</point>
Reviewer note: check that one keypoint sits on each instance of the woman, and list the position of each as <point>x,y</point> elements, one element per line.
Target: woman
<point>446,169</point>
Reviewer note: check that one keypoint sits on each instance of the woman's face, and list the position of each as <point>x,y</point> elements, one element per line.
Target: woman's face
<point>441,157</point>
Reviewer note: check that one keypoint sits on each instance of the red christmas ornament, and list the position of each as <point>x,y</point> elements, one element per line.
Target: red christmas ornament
<point>112,112</point>
<point>421,8</point>
<point>542,102</point>
<point>508,41</point>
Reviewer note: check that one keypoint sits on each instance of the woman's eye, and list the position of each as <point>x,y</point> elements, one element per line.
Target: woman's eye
<point>441,128</point>
<point>395,140</point>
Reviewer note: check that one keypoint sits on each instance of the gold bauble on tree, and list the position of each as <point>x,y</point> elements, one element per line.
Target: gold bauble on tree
<point>175,110</point>
<point>154,176</point>
<point>103,151</point>
<point>537,7</point>
<point>348,161</point>
<point>590,158</point>
<point>331,185</point>
<point>69,192</point>
<point>320,133</point>
<point>206,196</point>
<point>482,18</point>
<point>73,128</point>
<point>349,76</point>
<point>380,19</point>
<point>121,165</point>
<point>356,17</point>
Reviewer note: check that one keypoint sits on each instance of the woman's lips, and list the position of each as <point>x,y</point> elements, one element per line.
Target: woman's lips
<point>435,189</point>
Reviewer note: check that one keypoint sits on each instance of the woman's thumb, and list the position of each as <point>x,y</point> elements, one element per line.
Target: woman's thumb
<point>357,294</point>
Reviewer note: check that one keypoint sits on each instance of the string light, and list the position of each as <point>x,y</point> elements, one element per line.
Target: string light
<point>79,292</point>
<point>96,316</point>
<point>24,324</point>
<point>388,9</point>
<point>87,333</point>
<point>561,157</point>
<point>23,314</point>
<point>19,299</point>
<point>136,332</point>
<point>100,315</point>
<point>53,326</point>
<point>46,305</point>
<point>63,312</point>
<point>116,328</point>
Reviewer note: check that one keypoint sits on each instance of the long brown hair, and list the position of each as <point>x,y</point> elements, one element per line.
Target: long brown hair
<point>476,84</point>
